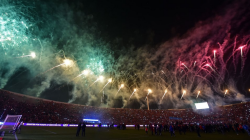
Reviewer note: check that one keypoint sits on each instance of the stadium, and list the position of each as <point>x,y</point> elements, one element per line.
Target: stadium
<point>124,69</point>
<point>44,113</point>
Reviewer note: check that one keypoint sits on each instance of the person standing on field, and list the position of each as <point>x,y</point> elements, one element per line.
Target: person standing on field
<point>83,129</point>
<point>78,129</point>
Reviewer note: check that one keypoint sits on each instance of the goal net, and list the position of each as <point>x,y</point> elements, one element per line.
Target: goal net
<point>10,122</point>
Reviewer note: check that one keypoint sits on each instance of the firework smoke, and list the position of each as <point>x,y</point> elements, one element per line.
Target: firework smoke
<point>184,62</point>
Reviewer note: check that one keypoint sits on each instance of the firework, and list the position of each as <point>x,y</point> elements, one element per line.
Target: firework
<point>164,94</point>
<point>225,93</point>
<point>214,56</point>
<point>149,91</point>
<point>109,81</point>
<point>198,94</point>
<point>32,55</point>
<point>184,92</point>
<point>137,72</point>
<point>211,67</point>
<point>95,65</point>
<point>8,38</point>
<point>122,85</point>
<point>14,31</point>
<point>85,72</point>
<point>184,65</point>
<point>100,78</point>
<point>241,51</point>
<point>66,62</point>
<point>132,93</point>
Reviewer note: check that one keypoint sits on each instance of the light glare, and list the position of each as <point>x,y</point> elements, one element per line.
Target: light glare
<point>67,62</point>
<point>33,55</point>
<point>110,80</point>
<point>85,72</point>
<point>101,78</point>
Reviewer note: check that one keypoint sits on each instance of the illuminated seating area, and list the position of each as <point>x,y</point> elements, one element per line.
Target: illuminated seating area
<point>36,110</point>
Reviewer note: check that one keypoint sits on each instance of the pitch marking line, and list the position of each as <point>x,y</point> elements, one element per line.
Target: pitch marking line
<point>49,131</point>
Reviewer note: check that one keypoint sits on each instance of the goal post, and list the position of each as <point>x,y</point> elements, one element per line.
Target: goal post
<point>10,122</point>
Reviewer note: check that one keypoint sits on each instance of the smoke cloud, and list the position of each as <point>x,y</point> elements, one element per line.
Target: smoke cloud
<point>181,63</point>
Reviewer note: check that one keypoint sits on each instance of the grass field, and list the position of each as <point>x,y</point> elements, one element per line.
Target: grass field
<point>68,133</point>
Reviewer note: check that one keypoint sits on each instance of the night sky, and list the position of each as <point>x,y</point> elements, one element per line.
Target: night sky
<point>163,44</point>
<point>147,22</point>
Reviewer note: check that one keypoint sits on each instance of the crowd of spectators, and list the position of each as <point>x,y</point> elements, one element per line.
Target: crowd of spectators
<point>36,110</point>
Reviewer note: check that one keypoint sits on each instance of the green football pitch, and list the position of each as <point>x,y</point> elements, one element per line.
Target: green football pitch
<point>68,133</point>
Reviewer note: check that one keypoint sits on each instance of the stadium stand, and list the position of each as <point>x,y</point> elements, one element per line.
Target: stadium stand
<point>36,110</point>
